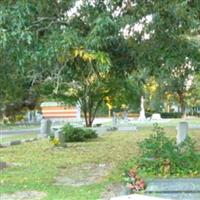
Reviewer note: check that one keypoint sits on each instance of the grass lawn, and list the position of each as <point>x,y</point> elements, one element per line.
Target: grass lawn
<point>37,164</point>
<point>171,122</point>
<point>10,138</point>
<point>164,123</point>
<point>17,126</point>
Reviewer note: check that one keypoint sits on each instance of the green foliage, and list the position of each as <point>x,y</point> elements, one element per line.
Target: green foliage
<point>73,134</point>
<point>165,115</point>
<point>161,156</point>
<point>49,39</point>
<point>171,115</point>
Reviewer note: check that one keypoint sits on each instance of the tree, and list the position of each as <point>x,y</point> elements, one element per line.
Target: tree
<point>22,35</point>
<point>85,59</point>
<point>165,37</point>
<point>179,83</point>
<point>193,96</point>
<point>153,35</point>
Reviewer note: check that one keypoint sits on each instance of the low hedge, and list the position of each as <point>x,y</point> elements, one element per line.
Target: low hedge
<point>171,115</point>
<point>165,115</point>
<point>73,134</point>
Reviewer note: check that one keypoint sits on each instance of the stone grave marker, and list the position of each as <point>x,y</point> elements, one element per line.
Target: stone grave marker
<point>45,127</point>
<point>156,116</point>
<point>174,188</point>
<point>142,116</point>
<point>59,136</point>
<point>182,132</point>
<point>114,119</point>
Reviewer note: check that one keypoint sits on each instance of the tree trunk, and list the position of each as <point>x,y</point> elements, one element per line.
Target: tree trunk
<point>84,109</point>
<point>182,103</point>
<point>89,110</point>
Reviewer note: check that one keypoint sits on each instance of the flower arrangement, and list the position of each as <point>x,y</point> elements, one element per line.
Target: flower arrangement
<point>55,142</point>
<point>135,182</point>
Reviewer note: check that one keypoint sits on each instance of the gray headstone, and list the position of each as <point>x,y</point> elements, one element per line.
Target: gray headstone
<point>60,137</point>
<point>114,119</point>
<point>173,185</point>
<point>182,132</point>
<point>45,127</point>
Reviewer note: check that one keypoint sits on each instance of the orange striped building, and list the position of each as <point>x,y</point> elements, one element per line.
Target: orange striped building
<point>55,110</point>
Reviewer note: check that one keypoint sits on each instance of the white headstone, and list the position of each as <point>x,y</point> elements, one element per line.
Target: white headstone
<point>142,116</point>
<point>156,116</point>
<point>182,132</point>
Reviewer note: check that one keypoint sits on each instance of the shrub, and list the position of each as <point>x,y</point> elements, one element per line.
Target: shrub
<point>73,134</point>
<point>148,114</point>
<point>171,115</point>
<point>161,156</point>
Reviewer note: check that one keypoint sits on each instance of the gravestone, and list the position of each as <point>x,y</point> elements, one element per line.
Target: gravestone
<point>174,188</point>
<point>114,119</point>
<point>182,132</point>
<point>156,116</point>
<point>45,127</point>
<point>59,136</point>
<point>142,116</point>
<point>31,116</point>
<point>125,116</point>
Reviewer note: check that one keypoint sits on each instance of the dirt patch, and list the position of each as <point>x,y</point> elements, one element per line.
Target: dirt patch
<point>85,174</point>
<point>25,195</point>
<point>114,190</point>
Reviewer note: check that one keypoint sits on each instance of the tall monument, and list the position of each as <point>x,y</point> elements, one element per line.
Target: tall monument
<point>142,111</point>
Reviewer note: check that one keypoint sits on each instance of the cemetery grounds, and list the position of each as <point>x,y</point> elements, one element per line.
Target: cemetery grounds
<point>62,173</point>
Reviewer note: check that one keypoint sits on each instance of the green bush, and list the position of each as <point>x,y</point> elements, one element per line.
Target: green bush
<point>73,134</point>
<point>161,156</point>
<point>171,115</point>
<point>148,114</point>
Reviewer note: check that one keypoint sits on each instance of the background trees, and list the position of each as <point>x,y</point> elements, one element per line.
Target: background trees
<point>79,50</point>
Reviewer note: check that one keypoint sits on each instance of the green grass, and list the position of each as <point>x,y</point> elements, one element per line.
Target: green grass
<point>10,138</point>
<point>170,122</point>
<point>38,163</point>
<point>17,126</point>
<point>164,123</point>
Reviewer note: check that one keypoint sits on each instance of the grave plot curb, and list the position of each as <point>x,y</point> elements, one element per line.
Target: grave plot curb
<point>17,142</point>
